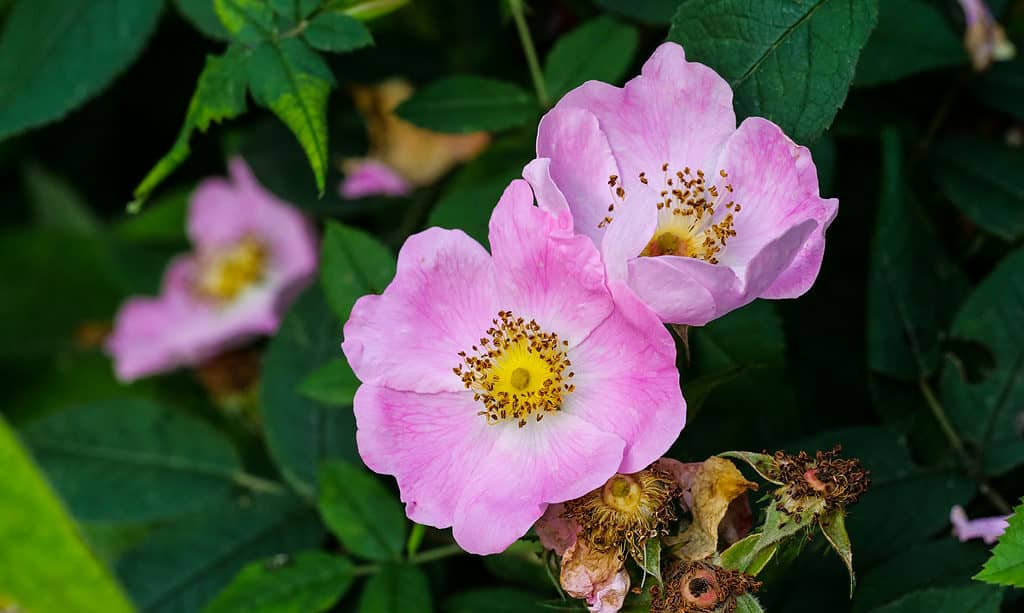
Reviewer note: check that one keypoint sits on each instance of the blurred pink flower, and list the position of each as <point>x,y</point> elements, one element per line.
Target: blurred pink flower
<point>494,385</point>
<point>988,529</point>
<point>402,156</point>
<point>984,38</point>
<point>698,216</point>
<point>252,255</point>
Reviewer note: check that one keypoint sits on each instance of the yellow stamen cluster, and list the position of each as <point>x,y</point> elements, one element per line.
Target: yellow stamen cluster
<point>626,511</point>
<point>517,371</point>
<point>226,273</point>
<point>692,221</point>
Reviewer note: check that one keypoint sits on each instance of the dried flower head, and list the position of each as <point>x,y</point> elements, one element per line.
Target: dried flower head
<point>818,484</point>
<point>626,511</point>
<point>700,587</point>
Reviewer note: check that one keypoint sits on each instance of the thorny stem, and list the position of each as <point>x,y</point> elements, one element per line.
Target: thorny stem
<point>257,484</point>
<point>516,7</point>
<point>958,444</point>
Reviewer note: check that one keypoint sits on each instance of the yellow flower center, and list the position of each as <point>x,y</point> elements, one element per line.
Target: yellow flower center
<point>517,371</point>
<point>225,274</point>
<point>695,217</point>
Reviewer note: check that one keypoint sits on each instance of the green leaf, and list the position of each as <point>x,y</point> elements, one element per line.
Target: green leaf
<point>972,599</point>
<point>56,54</point>
<point>465,103</point>
<point>183,564</point>
<point>219,96</point>
<point>332,384</point>
<point>248,21</point>
<point>791,61</point>
<point>337,32</point>
<point>912,36</point>
<point>295,9</point>
<point>293,81</point>
<point>493,600</point>
<point>833,526</point>
<point>302,432</point>
<point>361,512</point>
<point>1002,87</point>
<point>310,582</point>
<point>354,264</point>
<point>748,556</point>
<point>365,10</point>
<point>913,287</point>
<point>746,603</point>
<point>471,195</point>
<point>162,221</point>
<point>650,561</point>
<point>1006,566</point>
<point>44,565</point>
<point>203,16</point>
<point>55,204</point>
<point>985,412</point>
<point>397,588</point>
<point>653,12</point>
<point>131,460</point>
<point>985,180</point>
<point>943,563</point>
<point>601,49</point>
<point>763,463</point>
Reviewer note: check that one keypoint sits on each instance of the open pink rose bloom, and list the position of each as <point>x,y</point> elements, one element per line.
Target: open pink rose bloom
<point>252,255</point>
<point>697,216</point>
<point>497,384</point>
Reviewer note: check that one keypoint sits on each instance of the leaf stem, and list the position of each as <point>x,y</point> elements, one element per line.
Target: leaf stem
<point>516,7</point>
<point>258,484</point>
<point>939,412</point>
<point>431,555</point>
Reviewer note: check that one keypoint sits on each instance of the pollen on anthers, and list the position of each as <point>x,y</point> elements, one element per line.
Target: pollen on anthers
<point>517,371</point>
<point>696,215</point>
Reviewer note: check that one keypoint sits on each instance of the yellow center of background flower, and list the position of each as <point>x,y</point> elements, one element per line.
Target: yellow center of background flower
<point>227,273</point>
<point>517,371</point>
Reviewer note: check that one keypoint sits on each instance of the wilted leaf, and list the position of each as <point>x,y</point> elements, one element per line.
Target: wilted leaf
<point>714,487</point>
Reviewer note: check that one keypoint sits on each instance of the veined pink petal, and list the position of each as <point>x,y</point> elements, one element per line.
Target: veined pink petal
<point>441,301</point>
<point>558,459</point>
<point>627,382</point>
<point>556,532</point>
<point>547,272</point>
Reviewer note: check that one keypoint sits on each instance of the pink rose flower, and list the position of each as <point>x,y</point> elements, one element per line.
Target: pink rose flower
<point>699,217</point>
<point>988,529</point>
<point>495,385</point>
<point>253,254</point>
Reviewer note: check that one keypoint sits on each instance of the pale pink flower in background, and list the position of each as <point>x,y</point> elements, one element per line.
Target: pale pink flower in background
<point>988,529</point>
<point>402,156</point>
<point>699,217</point>
<point>252,255</point>
<point>496,384</point>
<point>984,38</point>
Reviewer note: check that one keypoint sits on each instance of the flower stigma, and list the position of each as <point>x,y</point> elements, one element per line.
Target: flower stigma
<point>626,511</point>
<point>518,371</point>
<point>226,273</point>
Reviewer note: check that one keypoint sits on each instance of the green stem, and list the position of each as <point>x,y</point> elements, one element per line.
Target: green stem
<point>258,484</point>
<point>516,7</point>
<point>431,555</point>
<point>958,444</point>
